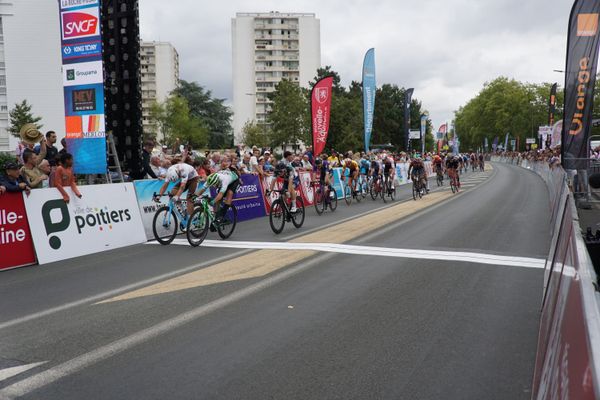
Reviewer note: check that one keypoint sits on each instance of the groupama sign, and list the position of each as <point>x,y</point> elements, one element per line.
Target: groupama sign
<point>106,217</point>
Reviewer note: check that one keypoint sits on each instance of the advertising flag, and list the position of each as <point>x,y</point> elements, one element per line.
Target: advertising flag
<point>407,99</point>
<point>495,144</point>
<point>485,144</point>
<point>552,105</point>
<point>83,84</point>
<point>369,89</point>
<point>580,78</point>
<point>423,132</point>
<point>506,142</point>
<point>442,131</point>
<point>320,105</point>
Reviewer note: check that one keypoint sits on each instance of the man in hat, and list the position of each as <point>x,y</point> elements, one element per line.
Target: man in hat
<point>13,181</point>
<point>30,135</point>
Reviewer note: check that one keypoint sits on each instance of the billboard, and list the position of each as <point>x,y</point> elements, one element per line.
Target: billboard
<point>320,100</point>
<point>83,82</point>
<point>16,245</point>
<point>106,217</point>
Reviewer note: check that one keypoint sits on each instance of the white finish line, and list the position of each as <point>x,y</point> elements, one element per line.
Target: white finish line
<point>457,256</point>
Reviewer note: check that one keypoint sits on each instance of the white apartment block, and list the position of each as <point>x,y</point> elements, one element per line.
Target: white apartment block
<point>30,64</point>
<point>268,47</point>
<point>159,75</point>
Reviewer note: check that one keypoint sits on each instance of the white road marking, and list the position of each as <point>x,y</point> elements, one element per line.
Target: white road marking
<point>455,256</point>
<point>12,371</point>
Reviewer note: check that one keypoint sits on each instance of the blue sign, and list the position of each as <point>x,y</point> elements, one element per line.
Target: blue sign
<point>84,99</point>
<point>369,89</point>
<point>82,52</point>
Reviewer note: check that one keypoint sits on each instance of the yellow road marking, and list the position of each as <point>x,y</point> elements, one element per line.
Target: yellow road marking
<point>264,262</point>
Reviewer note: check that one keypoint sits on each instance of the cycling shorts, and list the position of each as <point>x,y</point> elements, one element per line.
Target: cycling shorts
<point>233,186</point>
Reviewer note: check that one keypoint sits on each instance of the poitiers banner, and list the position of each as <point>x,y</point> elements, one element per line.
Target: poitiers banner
<point>83,84</point>
<point>580,77</point>
<point>320,100</point>
<point>106,217</point>
<point>16,245</point>
<point>369,86</point>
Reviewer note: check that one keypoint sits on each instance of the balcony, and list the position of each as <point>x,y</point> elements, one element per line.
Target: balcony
<point>276,37</point>
<point>286,26</point>
<point>268,79</point>
<point>276,58</point>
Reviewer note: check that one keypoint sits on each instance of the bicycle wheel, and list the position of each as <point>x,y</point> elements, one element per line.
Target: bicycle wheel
<point>164,225</point>
<point>357,195</point>
<point>453,186</point>
<point>333,198</point>
<point>277,216</point>
<point>319,199</point>
<point>372,190</point>
<point>415,189</point>
<point>392,190</point>
<point>228,222</point>
<point>420,192</point>
<point>364,188</point>
<point>298,216</point>
<point>384,191</point>
<point>348,196</point>
<point>197,227</point>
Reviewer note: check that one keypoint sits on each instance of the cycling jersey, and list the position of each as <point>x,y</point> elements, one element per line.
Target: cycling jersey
<point>352,165</point>
<point>452,164</point>
<point>376,166</point>
<point>324,169</point>
<point>227,180</point>
<point>365,165</point>
<point>388,166</point>
<point>181,172</point>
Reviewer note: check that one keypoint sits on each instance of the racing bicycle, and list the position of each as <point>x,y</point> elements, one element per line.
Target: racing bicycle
<point>418,187</point>
<point>454,185</point>
<point>280,212</point>
<point>388,190</point>
<point>169,219</point>
<point>325,196</point>
<point>204,219</point>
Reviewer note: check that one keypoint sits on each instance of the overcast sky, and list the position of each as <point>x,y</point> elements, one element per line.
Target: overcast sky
<point>445,49</point>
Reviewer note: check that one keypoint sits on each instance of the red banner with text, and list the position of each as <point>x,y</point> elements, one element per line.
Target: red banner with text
<point>16,245</point>
<point>320,103</point>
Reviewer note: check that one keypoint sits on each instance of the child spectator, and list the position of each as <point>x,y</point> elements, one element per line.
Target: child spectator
<point>64,177</point>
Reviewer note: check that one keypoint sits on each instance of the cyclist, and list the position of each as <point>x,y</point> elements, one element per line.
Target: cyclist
<point>287,173</point>
<point>324,170</point>
<point>353,168</point>
<point>389,169</point>
<point>375,171</point>
<point>226,181</point>
<point>438,165</point>
<point>186,178</point>
<point>452,165</point>
<point>365,166</point>
<point>416,170</point>
<point>481,162</point>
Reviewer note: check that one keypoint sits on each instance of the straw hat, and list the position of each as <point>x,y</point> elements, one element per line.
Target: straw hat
<point>30,134</point>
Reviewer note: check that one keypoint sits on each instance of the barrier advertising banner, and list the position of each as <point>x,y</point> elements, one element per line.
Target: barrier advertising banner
<point>83,83</point>
<point>144,191</point>
<point>320,105</point>
<point>106,217</point>
<point>266,184</point>
<point>249,198</point>
<point>16,246</point>
<point>306,189</point>
<point>369,85</point>
<point>580,77</point>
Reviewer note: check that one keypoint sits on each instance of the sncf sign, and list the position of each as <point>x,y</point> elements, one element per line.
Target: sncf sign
<point>80,23</point>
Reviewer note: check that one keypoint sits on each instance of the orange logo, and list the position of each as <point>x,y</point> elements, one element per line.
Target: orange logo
<point>587,24</point>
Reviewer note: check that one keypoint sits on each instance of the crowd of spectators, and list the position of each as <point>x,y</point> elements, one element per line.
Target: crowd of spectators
<point>39,164</point>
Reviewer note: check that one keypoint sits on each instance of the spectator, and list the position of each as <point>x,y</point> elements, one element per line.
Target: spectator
<point>155,165</point>
<point>244,165</point>
<point>254,160</point>
<point>215,162</point>
<point>165,165</point>
<point>306,164</point>
<point>2,189</point>
<point>13,181</point>
<point>268,166</point>
<point>64,177</point>
<point>51,150</point>
<point>31,171</point>
<point>309,153</point>
<point>63,143</point>
<point>147,171</point>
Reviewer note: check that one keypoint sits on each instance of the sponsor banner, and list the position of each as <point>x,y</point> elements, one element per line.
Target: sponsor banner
<point>402,173</point>
<point>83,73</point>
<point>407,99</point>
<point>306,189</point>
<point>105,218</point>
<point>414,134</point>
<point>84,99</point>
<point>338,184</point>
<point>369,85</point>
<point>320,99</point>
<point>266,184</point>
<point>80,23</point>
<point>16,245</point>
<point>530,140</point>
<point>80,52</point>
<point>580,77</point>
<point>66,4</point>
<point>249,198</point>
<point>552,104</point>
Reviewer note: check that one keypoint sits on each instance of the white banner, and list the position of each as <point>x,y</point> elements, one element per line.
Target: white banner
<point>414,134</point>
<point>105,218</point>
<point>82,73</point>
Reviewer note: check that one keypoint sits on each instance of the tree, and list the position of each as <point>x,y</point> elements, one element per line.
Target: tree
<point>289,115</point>
<point>20,115</point>
<point>255,135</point>
<point>174,119</point>
<point>213,112</point>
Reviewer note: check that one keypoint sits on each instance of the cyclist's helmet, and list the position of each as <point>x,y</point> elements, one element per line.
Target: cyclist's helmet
<point>318,162</point>
<point>172,175</point>
<point>212,180</point>
<point>280,167</point>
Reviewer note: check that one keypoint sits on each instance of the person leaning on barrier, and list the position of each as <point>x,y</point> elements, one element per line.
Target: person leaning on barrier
<point>64,176</point>
<point>33,172</point>
<point>13,182</point>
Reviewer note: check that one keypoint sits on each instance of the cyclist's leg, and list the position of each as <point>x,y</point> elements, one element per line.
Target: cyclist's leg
<point>191,192</point>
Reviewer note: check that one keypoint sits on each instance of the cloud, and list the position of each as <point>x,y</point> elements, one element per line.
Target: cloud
<point>445,49</point>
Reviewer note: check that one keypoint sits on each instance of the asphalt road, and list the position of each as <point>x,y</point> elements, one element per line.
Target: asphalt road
<point>205,323</point>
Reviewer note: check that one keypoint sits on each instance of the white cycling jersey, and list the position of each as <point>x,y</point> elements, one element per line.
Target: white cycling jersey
<point>182,172</point>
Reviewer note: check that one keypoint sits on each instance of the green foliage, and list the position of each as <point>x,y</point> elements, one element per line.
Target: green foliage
<point>289,116</point>
<point>4,158</point>
<point>255,135</point>
<point>174,119</point>
<point>213,112</point>
<point>20,115</point>
<point>505,106</point>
